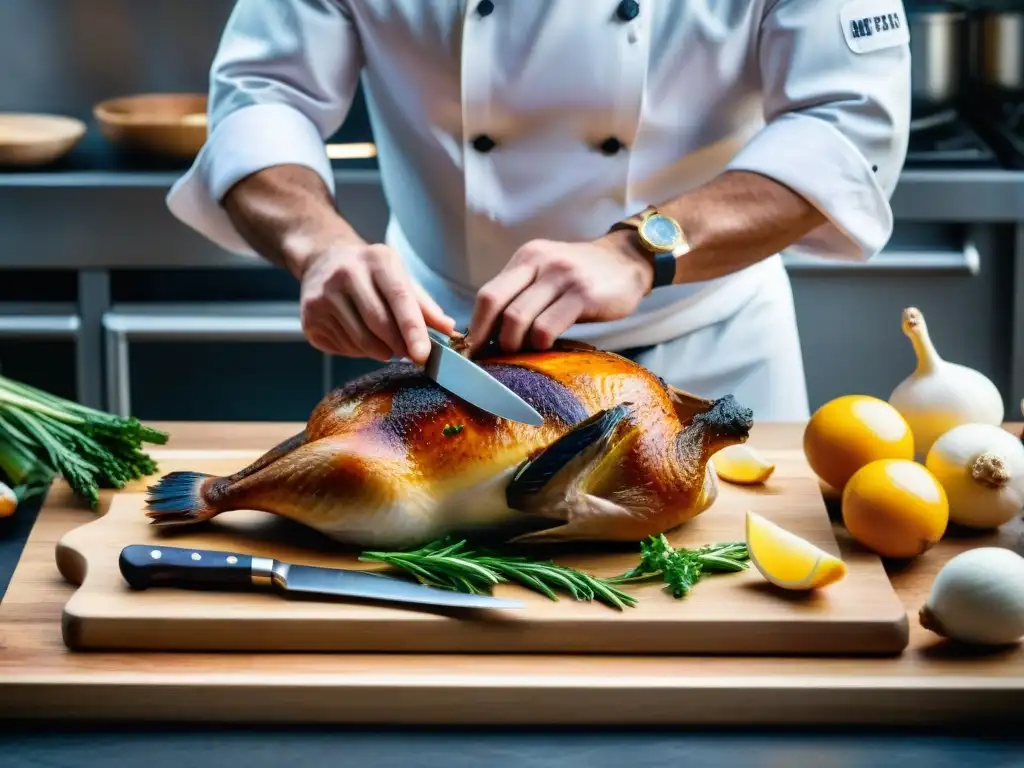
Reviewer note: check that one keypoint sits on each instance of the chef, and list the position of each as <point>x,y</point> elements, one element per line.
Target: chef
<point>621,172</point>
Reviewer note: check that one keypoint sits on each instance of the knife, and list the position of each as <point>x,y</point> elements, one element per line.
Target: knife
<point>467,380</point>
<point>147,565</point>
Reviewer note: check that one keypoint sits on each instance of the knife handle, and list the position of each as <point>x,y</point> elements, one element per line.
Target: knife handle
<point>147,565</point>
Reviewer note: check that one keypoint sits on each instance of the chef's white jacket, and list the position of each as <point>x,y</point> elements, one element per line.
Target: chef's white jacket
<point>500,121</point>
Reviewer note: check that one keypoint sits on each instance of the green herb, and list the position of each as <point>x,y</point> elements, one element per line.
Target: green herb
<point>42,435</point>
<point>451,429</point>
<point>681,569</point>
<point>451,565</point>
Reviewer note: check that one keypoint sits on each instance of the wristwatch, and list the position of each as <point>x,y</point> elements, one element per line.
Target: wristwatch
<point>662,237</point>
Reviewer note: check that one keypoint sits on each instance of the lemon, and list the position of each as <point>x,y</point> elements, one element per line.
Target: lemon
<point>742,464</point>
<point>850,432</point>
<point>896,508</point>
<point>787,560</point>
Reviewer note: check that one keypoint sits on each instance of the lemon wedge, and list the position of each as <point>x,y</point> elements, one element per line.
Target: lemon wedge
<point>787,560</point>
<point>742,464</point>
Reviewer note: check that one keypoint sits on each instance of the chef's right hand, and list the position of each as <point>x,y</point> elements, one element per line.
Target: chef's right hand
<point>357,300</point>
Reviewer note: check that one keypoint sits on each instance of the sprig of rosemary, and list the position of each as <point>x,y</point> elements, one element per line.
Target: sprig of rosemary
<point>449,564</point>
<point>681,569</point>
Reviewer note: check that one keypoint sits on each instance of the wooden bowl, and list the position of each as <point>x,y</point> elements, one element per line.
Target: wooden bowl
<point>168,124</point>
<point>30,139</point>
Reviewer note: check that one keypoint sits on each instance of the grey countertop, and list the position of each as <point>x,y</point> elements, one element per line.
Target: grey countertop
<point>269,748</point>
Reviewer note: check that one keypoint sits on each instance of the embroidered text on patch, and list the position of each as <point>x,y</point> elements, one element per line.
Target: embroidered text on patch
<point>871,25</point>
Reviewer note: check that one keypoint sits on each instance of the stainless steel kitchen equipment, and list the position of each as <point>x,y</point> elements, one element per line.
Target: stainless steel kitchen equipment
<point>938,38</point>
<point>946,139</point>
<point>1001,118</point>
<point>1001,49</point>
<point>997,93</point>
<point>944,40</point>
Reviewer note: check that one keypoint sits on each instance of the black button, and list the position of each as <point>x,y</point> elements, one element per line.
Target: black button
<point>628,10</point>
<point>874,168</point>
<point>483,143</point>
<point>485,8</point>
<point>610,146</point>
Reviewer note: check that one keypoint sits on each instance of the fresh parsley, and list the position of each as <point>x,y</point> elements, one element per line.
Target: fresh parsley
<point>681,569</point>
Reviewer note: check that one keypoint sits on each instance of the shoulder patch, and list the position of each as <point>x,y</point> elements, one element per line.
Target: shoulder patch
<point>871,25</point>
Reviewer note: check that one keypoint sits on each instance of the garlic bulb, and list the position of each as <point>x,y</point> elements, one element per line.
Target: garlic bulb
<point>940,395</point>
<point>981,468</point>
<point>978,598</point>
<point>8,501</point>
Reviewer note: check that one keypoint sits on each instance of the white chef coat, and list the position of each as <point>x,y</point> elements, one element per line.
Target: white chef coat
<point>490,119</point>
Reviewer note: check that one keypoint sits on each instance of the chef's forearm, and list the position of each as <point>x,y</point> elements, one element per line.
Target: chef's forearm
<point>286,214</point>
<point>737,220</point>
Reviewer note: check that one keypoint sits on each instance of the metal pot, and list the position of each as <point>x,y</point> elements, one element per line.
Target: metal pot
<point>1002,50</point>
<point>937,40</point>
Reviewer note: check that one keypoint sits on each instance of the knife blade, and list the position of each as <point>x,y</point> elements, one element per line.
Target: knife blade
<point>467,380</point>
<point>147,565</point>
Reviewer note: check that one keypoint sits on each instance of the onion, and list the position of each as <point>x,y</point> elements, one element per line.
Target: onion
<point>981,468</point>
<point>978,598</point>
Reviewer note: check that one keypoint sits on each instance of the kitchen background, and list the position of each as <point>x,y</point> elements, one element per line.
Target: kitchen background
<point>104,297</point>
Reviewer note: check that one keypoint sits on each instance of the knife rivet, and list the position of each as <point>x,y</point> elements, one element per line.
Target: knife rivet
<point>155,554</point>
<point>232,559</point>
<point>196,556</point>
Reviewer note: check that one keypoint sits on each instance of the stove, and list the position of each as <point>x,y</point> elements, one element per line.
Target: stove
<point>1001,119</point>
<point>948,139</point>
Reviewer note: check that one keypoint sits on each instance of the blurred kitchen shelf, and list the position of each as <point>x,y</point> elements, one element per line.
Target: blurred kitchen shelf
<point>343,170</point>
<point>98,208</point>
<point>96,163</point>
<point>960,195</point>
<point>941,195</point>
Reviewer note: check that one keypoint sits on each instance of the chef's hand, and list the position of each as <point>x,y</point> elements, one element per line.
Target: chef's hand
<point>548,286</point>
<point>357,300</point>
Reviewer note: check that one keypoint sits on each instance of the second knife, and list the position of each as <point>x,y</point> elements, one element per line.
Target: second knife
<point>144,566</point>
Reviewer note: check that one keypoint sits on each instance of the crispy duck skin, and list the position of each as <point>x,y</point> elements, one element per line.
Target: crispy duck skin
<point>393,460</point>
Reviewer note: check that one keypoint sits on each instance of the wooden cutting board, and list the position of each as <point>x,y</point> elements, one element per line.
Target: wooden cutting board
<point>725,614</point>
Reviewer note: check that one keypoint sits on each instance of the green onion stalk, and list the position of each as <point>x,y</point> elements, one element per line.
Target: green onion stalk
<point>43,435</point>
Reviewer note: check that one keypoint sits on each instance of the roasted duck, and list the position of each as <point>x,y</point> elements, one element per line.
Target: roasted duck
<point>392,460</point>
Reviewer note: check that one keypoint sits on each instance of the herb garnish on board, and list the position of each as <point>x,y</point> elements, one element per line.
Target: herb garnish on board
<point>450,564</point>
<point>681,569</point>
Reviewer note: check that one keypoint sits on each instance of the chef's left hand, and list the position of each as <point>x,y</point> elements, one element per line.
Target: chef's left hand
<point>548,286</point>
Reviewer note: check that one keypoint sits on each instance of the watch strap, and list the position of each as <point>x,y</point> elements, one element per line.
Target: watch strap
<point>634,221</point>
<point>664,269</point>
<point>664,263</point>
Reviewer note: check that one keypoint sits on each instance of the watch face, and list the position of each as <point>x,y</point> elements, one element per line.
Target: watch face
<point>661,231</point>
